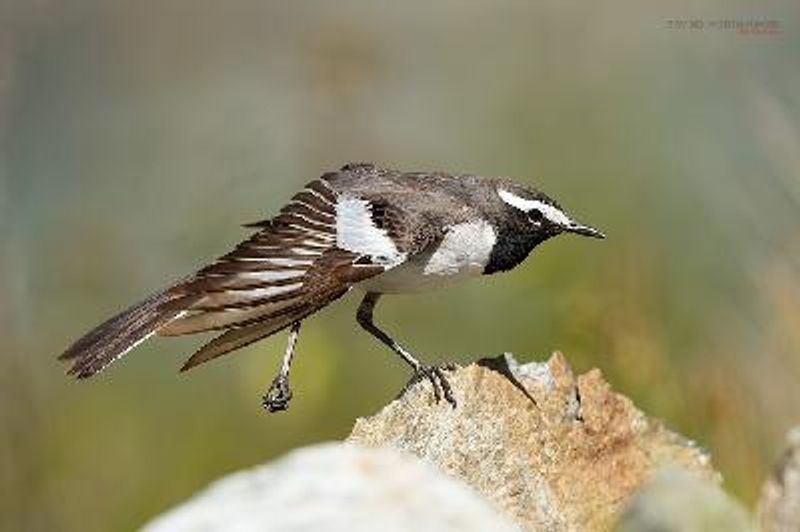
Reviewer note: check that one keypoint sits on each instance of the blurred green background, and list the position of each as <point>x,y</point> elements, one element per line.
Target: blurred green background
<point>136,136</point>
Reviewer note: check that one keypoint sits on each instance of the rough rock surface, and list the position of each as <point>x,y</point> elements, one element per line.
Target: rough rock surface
<point>779,508</point>
<point>337,488</point>
<point>551,450</point>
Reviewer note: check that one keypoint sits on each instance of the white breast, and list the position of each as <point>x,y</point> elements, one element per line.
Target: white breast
<point>463,253</point>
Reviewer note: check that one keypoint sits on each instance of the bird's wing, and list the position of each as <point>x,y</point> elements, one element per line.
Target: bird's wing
<point>313,252</point>
<point>249,313</point>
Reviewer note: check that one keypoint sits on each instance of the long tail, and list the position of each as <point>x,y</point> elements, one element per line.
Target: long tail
<point>113,338</point>
<point>234,339</point>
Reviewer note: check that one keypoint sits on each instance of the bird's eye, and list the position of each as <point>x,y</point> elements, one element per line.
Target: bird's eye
<point>535,216</point>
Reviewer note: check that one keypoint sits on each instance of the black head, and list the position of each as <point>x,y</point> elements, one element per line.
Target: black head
<point>524,218</point>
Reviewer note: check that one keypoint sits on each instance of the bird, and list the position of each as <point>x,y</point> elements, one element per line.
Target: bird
<point>365,227</point>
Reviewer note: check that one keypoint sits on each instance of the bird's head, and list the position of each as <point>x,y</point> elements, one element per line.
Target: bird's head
<point>540,214</point>
<point>525,218</point>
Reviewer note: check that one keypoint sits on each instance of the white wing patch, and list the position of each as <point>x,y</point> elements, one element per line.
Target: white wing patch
<point>465,250</point>
<point>551,213</point>
<point>356,232</point>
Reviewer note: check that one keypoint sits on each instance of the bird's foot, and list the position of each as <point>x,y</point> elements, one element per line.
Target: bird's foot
<point>435,375</point>
<point>278,396</point>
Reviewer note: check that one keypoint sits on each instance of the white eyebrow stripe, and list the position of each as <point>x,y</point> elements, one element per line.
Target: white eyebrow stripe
<point>551,213</point>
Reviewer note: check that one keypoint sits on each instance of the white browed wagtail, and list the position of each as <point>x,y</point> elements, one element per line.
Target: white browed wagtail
<point>375,229</point>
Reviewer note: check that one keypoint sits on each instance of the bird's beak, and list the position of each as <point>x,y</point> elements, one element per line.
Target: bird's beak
<point>584,230</point>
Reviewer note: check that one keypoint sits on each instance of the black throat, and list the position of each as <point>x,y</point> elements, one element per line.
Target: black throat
<point>513,245</point>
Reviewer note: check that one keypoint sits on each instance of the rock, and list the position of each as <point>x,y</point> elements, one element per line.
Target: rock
<point>336,487</point>
<point>779,507</point>
<point>530,447</point>
<point>679,501</point>
<point>552,451</point>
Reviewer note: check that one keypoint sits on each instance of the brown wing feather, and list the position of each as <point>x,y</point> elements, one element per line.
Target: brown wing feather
<point>266,276</point>
<point>288,270</point>
<point>328,280</point>
<point>240,337</point>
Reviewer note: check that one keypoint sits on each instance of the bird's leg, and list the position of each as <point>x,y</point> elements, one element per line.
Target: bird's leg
<point>279,394</point>
<point>435,374</point>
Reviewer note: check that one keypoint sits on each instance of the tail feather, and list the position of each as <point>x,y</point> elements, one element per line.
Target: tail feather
<point>112,339</point>
<point>234,339</point>
<point>194,321</point>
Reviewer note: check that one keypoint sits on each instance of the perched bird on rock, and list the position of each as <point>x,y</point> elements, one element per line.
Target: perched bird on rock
<point>378,230</point>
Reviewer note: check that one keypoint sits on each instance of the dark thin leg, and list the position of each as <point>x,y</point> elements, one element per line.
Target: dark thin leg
<point>279,394</point>
<point>435,374</point>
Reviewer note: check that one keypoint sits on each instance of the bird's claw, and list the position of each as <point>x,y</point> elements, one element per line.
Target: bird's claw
<point>278,396</point>
<point>435,375</point>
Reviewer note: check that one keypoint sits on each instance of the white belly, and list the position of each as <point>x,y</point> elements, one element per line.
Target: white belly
<point>462,254</point>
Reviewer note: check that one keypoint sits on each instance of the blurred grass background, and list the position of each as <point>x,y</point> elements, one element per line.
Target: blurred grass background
<point>136,136</point>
